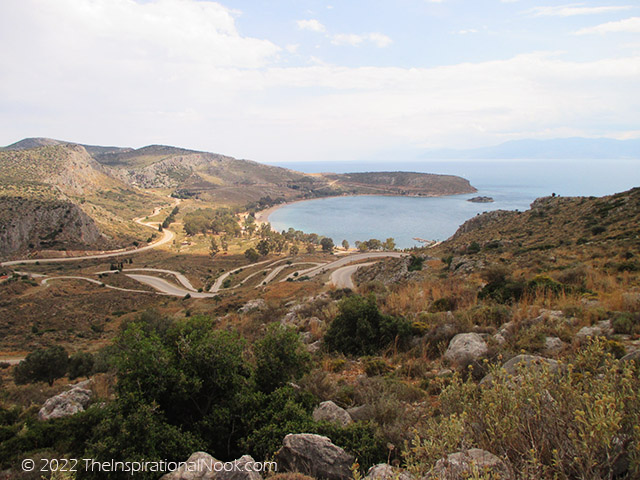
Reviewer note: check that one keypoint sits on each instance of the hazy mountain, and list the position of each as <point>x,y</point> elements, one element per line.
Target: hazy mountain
<point>560,148</point>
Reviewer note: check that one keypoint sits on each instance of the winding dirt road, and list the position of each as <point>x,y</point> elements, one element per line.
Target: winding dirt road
<point>340,277</point>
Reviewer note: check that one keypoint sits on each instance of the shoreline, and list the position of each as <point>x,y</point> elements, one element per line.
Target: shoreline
<point>263,215</point>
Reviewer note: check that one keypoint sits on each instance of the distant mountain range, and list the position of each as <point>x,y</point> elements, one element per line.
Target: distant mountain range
<point>559,148</point>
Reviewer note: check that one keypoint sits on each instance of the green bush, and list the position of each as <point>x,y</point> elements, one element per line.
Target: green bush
<point>361,329</point>
<point>415,263</point>
<point>375,366</point>
<point>80,365</point>
<point>280,358</point>
<point>623,323</point>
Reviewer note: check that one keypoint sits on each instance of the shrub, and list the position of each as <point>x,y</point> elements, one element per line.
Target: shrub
<point>42,365</point>
<point>361,329</point>
<point>415,263</point>
<point>375,366</point>
<point>80,365</point>
<point>280,358</point>
<point>549,425</point>
<point>623,323</point>
<point>444,304</point>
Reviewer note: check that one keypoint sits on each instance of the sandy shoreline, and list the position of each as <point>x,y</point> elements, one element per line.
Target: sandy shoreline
<point>263,215</point>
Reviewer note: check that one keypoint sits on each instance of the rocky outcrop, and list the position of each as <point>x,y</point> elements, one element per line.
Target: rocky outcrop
<point>480,199</point>
<point>314,455</point>
<point>516,364</point>
<point>32,224</point>
<point>330,412</point>
<point>466,347</point>
<point>469,464</point>
<point>66,403</point>
<point>384,471</point>
<point>202,466</point>
<point>480,221</point>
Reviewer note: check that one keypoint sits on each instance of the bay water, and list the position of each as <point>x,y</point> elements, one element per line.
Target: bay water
<point>513,184</point>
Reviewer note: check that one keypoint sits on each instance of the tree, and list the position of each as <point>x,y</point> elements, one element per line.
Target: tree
<point>345,244</point>
<point>80,365</point>
<point>294,250</point>
<point>252,255</point>
<point>362,246</point>
<point>311,248</point>
<point>42,365</point>
<point>327,244</point>
<point>361,329</point>
<point>389,244</point>
<point>214,248</point>
<point>263,247</point>
<point>280,358</point>
<point>374,244</point>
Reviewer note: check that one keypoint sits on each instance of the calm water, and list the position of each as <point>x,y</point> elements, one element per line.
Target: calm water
<point>513,184</point>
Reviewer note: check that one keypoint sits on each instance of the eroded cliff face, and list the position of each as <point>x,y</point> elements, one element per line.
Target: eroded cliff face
<point>27,224</point>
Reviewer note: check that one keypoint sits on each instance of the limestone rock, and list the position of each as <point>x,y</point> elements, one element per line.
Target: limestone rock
<point>330,412</point>
<point>65,404</point>
<point>461,465</point>
<point>202,466</point>
<point>314,455</point>
<point>465,347</point>
<point>553,346</point>
<point>253,305</point>
<point>384,471</point>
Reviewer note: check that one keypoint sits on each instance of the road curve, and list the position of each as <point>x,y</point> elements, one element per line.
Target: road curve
<point>167,237</point>
<point>166,288</point>
<point>312,272</point>
<point>179,276</point>
<point>341,278</point>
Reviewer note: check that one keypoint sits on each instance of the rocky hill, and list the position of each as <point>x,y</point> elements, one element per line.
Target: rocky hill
<point>557,229</point>
<point>58,196</point>
<point>405,183</point>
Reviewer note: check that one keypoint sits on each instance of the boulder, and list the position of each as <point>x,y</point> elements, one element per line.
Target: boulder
<point>384,471</point>
<point>202,466</point>
<point>520,361</point>
<point>589,332</point>
<point>314,455</point>
<point>65,404</point>
<point>466,347</point>
<point>330,412</point>
<point>199,466</point>
<point>465,464</point>
<point>362,412</point>
<point>553,346</point>
<point>253,305</point>
<point>314,347</point>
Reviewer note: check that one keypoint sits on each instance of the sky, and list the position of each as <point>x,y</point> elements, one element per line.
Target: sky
<point>311,80</point>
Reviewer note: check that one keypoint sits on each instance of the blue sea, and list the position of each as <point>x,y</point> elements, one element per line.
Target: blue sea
<point>513,184</point>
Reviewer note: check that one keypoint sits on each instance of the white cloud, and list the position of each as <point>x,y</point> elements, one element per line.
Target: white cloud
<point>179,72</point>
<point>356,40</point>
<point>628,25</point>
<point>312,25</point>
<point>467,31</point>
<point>574,9</point>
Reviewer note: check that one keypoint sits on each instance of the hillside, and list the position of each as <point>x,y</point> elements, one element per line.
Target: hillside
<point>405,183</point>
<point>557,230</point>
<point>59,197</point>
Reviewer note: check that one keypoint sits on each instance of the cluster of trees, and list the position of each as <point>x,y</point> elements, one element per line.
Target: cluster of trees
<point>375,244</point>
<point>49,364</point>
<point>171,218</point>
<point>263,203</point>
<point>209,220</point>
